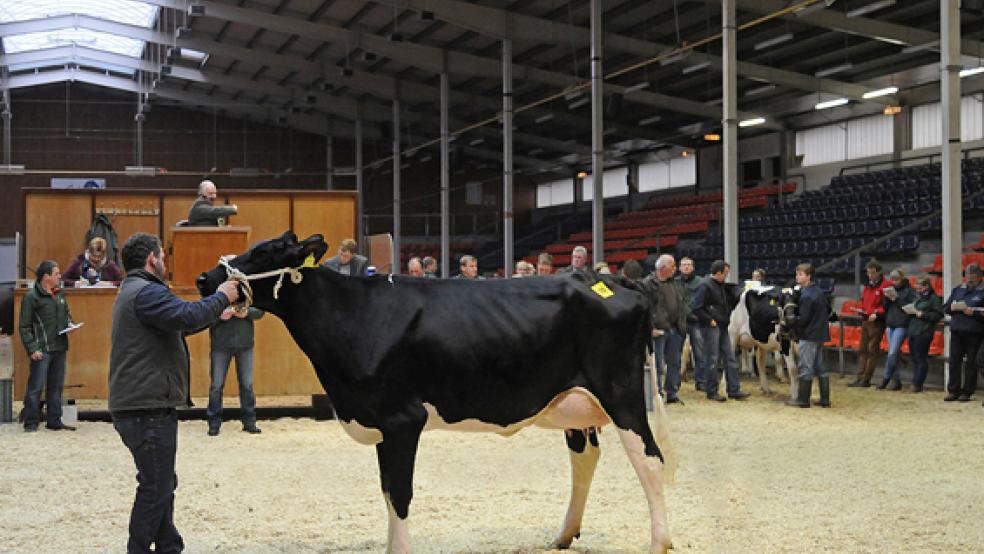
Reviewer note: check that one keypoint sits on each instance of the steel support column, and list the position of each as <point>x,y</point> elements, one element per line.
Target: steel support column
<point>329,160</point>
<point>396,187</point>
<point>445,180</point>
<point>597,144</point>
<point>6,115</point>
<point>730,146</point>
<point>507,158</point>
<point>950,105</point>
<point>358,179</point>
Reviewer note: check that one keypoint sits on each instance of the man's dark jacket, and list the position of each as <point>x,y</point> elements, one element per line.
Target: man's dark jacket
<point>42,316</point>
<point>974,298</point>
<point>204,214</point>
<point>658,291</point>
<point>713,301</point>
<point>690,285</point>
<point>148,362</point>
<point>236,333</point>
<point>357,265</point>
<point>814,313</point>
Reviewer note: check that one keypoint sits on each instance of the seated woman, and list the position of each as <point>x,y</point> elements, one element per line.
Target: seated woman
<point>93,266</point>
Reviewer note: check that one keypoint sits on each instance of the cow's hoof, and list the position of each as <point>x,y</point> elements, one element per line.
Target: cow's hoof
<point>563,543</point>
<point>767,392</point>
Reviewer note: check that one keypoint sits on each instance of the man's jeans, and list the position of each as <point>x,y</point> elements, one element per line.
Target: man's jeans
<point>811,360</point>
<point>50,368</point>
<point>667,349</point>
<point>717,344</point>
<point>153,441</point>
<point>697,350</point>
<point>893,363</point>
<point>919,348</point>
<point>244,372</point>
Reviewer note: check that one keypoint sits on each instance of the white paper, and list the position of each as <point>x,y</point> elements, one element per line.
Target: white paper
<point>891,293</point>
<point>909,308</point>
<point>958,306</point>
<point>71,327</point>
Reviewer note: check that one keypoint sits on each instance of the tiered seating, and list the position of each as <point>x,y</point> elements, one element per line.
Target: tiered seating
<point>659,225</point>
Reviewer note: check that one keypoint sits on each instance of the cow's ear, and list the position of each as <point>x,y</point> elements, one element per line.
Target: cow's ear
<point>289,237</point>
<point>315,246</point>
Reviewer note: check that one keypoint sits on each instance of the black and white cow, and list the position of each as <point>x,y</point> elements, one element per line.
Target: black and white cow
<point>401,355</point>
<point>755,325</point>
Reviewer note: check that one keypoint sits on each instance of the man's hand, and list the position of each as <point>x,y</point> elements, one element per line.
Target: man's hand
<point>968,311</point>
<point>658,333</point>
<point>714,323</point>
<point>241,313</point>
<point>230,289</point>
<point>227,314</point>
<point>37,356</point>
<point>872,317</point>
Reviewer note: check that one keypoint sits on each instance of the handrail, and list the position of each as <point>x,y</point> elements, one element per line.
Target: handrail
<point>965,155</point>
<point>915,224</point>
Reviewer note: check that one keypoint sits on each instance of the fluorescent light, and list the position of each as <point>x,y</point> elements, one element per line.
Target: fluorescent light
<point>751,122</point>
<point>831,103</point>
<point>535,151</point>
<point>672,58</point>
<point>971,71</point>
<point>872,7</point>
<point>649,120</point>
<point>609,132</point>
<point>920,47</point>
<point>426,158</point>
<point>769,43</point>
<point>759,90</point>
<point>572,95</point>
<point>635,87</point>
<point>578,103</point>
<point>544,118</point>
<point>476,142</point>
<point>880,92</point>
<point>695,67</point>
<point>831,70</point>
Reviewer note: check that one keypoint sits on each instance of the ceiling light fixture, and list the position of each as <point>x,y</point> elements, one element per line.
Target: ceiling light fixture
<point>971,71</point>
<point>712,137</point>
<point>544,118</point>
<point>880,92</point>
<point>636,87</point>
<point>835,69</point>
<point>872,7</point>
<point>649,120</point>
<point>759,90</point>
<point>476,142</point>
<point>751,122</point>
<point>578,103</point>
<point>892,110</point>
<point>831,103</point>
<point>932,45</point>
<point>769,43</point>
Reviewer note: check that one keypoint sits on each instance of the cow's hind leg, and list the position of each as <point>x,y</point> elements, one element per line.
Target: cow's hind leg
<point>396,454</point>
<point>760,355</point>
<point>584,451</point>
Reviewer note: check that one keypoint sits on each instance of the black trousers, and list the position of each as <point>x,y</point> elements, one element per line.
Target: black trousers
<point>963,375</point>
<point>152,438</point>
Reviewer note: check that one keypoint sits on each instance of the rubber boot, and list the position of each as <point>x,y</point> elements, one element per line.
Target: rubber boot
<point>802,399</point>
<point>824,392</point>
<point>883,384</point>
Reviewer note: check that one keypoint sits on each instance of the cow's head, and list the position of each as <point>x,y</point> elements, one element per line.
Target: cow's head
<point>266,267</point>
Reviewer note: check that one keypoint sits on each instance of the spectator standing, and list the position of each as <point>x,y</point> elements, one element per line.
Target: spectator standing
<point>468,266</point>
<point>348,261</point>
<point>579,261</point>
<point>44,324</point>
<point>149,377</point>
<point>93,266</point>
<point>429,266</point>
<point>544,264</point>
<point>811,324</point>
<point>232,337</point>
<point>204,213</point>
<point>922,327</point>
<point>897,324</point>
<point>712,306</point>
<point>872,312</point>
<point>691,282</point>
<point>669,325</point>
<point>966,330</point>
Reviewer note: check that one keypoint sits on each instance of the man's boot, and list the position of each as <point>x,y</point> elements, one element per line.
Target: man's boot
<point>824,392</point>
<point>802,399</point>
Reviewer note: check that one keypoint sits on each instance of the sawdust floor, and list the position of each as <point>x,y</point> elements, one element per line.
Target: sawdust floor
<point>880,472</point>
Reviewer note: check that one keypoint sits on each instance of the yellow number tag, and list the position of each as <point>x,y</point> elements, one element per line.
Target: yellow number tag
<point>310,261</point>
<point>772,301</point>
<point>602,290</point>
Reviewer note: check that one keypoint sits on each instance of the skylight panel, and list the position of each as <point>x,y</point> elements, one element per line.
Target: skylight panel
<point>79,37</point>
<point>130,12</point>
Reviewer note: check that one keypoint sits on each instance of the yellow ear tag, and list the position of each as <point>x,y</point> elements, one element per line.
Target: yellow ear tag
<point>602,290</point>
<point>310,261</point>
<point>772,301</point>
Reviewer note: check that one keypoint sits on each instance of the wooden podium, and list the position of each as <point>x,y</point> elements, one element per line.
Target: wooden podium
<point>197,249</point>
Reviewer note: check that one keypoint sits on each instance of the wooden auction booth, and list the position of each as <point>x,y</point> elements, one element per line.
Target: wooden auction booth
<point>56,224</point>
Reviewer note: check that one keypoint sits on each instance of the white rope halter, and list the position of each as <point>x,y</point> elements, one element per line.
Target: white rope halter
<point>295,276</point>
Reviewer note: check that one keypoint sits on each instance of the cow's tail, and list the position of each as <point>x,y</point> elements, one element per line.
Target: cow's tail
<point>662,437</point>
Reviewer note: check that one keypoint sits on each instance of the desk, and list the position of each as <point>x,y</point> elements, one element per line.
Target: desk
<point>197,249</point>
<point>279,366</point>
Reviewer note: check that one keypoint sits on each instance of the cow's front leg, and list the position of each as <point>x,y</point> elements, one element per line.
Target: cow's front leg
<point>763,374</point>
<point>396,454</point>
<point>584,451</point>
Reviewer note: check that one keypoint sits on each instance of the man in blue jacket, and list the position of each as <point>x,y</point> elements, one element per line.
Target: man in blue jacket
<point>148,378</point>
<point>966,331</point>
<point>811,324</point>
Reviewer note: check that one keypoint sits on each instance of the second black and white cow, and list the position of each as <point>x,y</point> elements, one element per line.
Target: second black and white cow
<point>401,355</point>
<point>755,326</point>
